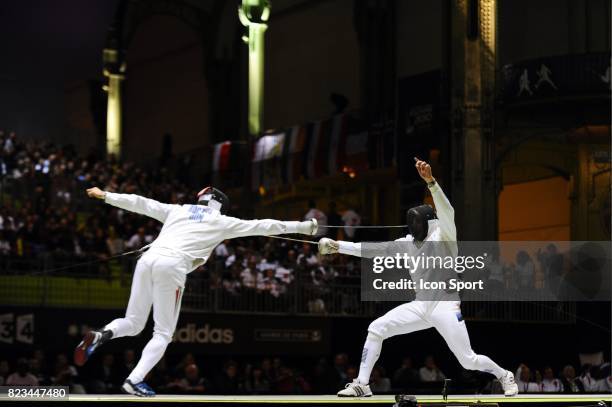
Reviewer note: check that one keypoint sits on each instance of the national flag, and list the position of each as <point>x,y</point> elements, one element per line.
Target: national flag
<point>221,156</point>
<point>266,166</point>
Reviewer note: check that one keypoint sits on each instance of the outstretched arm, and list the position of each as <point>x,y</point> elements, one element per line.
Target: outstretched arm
<point>133,203</point>
<point>329,246</point>
<point>444,209</point>
<point>372,249</point>
<point>266,227</point>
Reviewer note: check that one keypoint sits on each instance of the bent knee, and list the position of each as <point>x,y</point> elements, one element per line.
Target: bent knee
<point>469,362</point>
<point>164,336</point>
<point>136,325</point>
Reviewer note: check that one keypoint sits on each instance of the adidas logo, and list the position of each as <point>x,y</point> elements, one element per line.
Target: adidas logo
<point>192,334</point>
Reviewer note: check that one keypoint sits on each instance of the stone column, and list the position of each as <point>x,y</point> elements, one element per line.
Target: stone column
<point>473,61</point>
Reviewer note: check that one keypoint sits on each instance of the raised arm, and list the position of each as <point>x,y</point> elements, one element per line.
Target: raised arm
<point>235,227</point>
<point>444,209</point>
<point>134,203</point>
<point>445,212</point>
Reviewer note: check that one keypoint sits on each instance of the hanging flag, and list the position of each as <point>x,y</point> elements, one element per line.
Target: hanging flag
<point>221,156</point>
<point>266,163</point>
<point>269,146</point>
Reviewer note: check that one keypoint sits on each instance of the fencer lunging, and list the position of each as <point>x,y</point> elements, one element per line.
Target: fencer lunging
<point>188,236</point>
<point>425,225</point>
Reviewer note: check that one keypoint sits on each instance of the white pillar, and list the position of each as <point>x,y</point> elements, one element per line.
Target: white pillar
<point>114,71</point>
<point>113,116</point>
<point>254,14</point>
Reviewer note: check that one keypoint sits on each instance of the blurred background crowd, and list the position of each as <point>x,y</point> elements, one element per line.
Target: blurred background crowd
<point>276,375</point>
<point>45,215</point>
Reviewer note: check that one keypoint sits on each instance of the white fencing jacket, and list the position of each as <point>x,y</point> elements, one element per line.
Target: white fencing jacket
<point>193,231</point>
<point>441,230</point>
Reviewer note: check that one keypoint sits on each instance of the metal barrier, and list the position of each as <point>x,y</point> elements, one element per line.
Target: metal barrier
<point>33,282</point>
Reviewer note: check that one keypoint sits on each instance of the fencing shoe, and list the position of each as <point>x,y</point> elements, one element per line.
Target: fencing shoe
<point>509,385</point>
<point>355,389</point>
<point>139,389</point>
<point>88,345</point>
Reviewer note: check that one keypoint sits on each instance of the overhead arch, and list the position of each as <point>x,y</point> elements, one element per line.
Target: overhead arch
<point>217,64</point>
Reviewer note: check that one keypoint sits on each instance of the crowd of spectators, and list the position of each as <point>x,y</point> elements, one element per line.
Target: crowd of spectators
<point>525,272</point>
<point>271,268</point>
<point>275,375</point>
<point>591,379</point>
<point>46,222</point>
<point>44,211</point>
<point>45,215</point>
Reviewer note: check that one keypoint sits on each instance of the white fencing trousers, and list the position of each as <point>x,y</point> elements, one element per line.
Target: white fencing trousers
<point>446,317</point>
<point>159,280</point>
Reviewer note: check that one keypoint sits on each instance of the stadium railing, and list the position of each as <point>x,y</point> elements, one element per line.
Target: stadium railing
<point>50,283</point>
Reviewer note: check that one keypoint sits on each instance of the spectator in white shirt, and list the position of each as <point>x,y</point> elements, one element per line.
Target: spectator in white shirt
<point>221,250</point>
<point>137,240</point>
<point>266,264</point>
<point>250,276</point>
<point>430,372</point>
<point>550,384</point>
<point>571,384</point>
<point>5,245</point>
<point>525,385</point>
<point>284,275</point>
<point>588,381</point>
<point>237,256</point>
<point>7,222</point>
<point>350,218</point>
<point>605,385</point>
<point>307,258</point>
<point>9,144</point>
<point>525,270</point>
<point>271,284</point>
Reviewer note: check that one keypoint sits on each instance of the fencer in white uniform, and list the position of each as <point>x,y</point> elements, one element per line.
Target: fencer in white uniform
<point>424,312</point>
<point>186,240</point>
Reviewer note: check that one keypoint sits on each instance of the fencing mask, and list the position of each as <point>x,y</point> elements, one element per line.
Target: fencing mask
<point>213,198</point>
<point>417,219</point>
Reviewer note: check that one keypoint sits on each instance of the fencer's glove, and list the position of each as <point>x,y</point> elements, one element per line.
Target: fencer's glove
<point>308,227</point>
<point>328,246</point>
